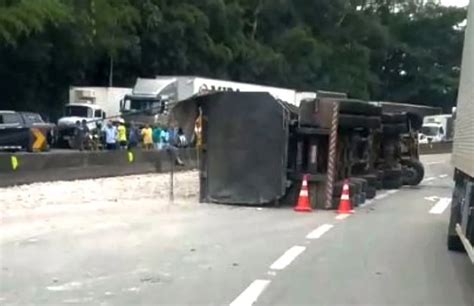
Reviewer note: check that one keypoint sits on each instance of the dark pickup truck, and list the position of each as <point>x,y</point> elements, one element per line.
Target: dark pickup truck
<point>25,131</point>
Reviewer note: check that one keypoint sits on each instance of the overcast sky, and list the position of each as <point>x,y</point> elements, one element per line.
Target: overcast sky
<point>455,2</point>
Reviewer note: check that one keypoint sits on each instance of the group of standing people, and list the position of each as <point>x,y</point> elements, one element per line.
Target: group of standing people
<point>116,135</point>
<point>161,138</point>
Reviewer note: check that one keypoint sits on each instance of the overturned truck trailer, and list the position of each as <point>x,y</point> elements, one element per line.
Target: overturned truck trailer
<point>244,155</point>
<point>256,149</point>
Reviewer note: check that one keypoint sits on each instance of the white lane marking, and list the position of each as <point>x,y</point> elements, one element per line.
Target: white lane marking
<point>251,294</point>
<point>440,206</point>
<point>272,273</point>
<point>429,179</point>
<point>434,163</point>
<point>65,287</point>
<point>321,230</point>
<point>392,191</point>
<point>78,301</point>
<point>342,216</point>
<point>432,198</point>
<point>443,176</point>
<point>285,259</point>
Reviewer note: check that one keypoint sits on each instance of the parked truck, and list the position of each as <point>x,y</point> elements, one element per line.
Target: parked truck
<point>461,225</point>
<point>437,128</point>
<point>151,99</point>
<point>92,104</point>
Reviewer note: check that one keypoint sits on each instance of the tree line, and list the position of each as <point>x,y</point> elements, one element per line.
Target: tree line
<point>391,50</point>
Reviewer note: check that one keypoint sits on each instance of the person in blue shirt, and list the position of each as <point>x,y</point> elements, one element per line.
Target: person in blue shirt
<point>133,136</point>
<point>111,135</point>
<point>157,137</point>
<point>165,137</point>
<point>172,137</point>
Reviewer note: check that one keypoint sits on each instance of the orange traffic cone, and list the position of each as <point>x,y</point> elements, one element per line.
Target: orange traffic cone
<point>345,205</point>
<point>303,199</point>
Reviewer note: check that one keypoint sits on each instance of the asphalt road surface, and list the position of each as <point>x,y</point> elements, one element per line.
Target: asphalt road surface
<point>391,252</point>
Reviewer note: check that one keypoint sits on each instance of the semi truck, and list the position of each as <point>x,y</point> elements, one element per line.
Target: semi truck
<point>461,224</point>
<point>151,99</point>
<point>93,104</point>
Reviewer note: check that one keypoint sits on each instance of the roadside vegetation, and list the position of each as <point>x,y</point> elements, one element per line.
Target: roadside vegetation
<point>395,50</point>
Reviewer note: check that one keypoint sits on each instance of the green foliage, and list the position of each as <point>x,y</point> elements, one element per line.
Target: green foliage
<point>397,50</point>
<point>24,17</point>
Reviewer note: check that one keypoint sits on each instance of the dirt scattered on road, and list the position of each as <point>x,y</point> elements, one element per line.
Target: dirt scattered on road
<point>114,190</point>
<point>86,206</point>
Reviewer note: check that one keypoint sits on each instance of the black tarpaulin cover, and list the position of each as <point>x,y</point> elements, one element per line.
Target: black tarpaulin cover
<point>245,155</point>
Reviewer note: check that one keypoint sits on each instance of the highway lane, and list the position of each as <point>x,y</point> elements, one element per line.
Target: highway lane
<point>391,252</point>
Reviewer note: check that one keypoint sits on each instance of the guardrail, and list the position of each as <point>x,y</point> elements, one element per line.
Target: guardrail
<point>436,147</point>
<point>32,168</point>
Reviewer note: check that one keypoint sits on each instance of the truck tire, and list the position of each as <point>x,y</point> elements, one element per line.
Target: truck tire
<point>370,178</point>
<point>394,118</point>
<point>363,183</point>
<point>393,183</point>
<point>395,129</point>
<point>379,184</point>
<point>392,173</point>
<point>356,121</point>
<point>413,173</point>
<point>371,192</point>
<point>359,108</point>
<point>454,242</point>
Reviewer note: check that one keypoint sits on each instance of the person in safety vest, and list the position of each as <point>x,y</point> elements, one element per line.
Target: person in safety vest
<point>122,136</point>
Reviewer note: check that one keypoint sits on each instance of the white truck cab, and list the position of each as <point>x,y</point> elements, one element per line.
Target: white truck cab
<point>93,104</point>
<point>431,132</point>
<point>436,128</point>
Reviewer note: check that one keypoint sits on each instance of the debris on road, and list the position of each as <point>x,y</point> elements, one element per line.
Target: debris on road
<point>112,190</point>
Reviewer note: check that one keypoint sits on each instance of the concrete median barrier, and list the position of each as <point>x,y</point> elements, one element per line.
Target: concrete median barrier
<point>43,167</point>
<point>436,148</point>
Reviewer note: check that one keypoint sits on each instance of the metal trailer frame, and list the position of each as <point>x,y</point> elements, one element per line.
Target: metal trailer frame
<point>326,151</point>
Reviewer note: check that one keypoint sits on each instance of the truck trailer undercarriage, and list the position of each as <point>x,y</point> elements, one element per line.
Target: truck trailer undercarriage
<point>256,149</point>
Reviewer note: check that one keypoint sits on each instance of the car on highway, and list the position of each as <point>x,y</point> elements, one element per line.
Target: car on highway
<point>25,131</point>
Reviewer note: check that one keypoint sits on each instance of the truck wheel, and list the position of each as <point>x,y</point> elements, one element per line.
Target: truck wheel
<point>413,173</point>
<point>392,183</point>
<point>454,242</point>
<point>361,181</point>
<point>379,184</point>
<point>392,173</point>
<point>355,121</point>
<point>371,192</point>
<point>370,178</point>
